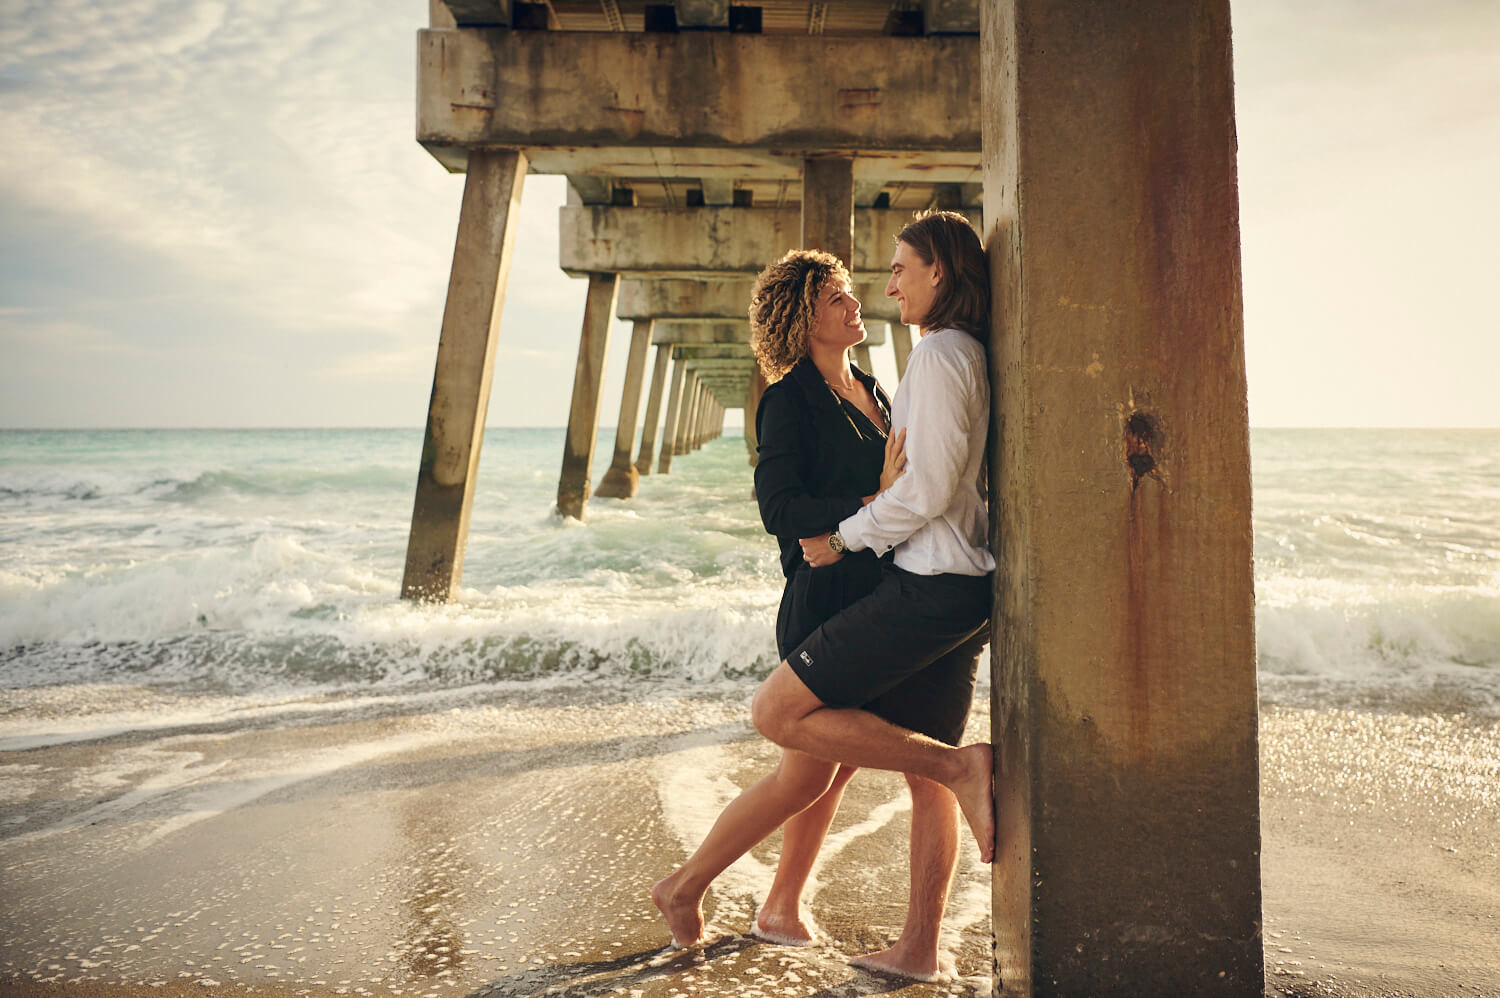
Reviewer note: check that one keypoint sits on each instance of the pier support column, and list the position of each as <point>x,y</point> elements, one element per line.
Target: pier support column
<point>622,481</point>
<point>686,438</point>
<point>674,417</point>
<point>828,207</point>
<point>1124,696</point>
<point>753,393</point>
<point>653,408</point>
<point>901,344</point>
<point>862,357</point>
<point>482,253</point>
<point>583,414</point>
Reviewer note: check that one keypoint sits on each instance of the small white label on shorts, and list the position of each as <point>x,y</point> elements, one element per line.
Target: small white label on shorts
<point>806,659</point>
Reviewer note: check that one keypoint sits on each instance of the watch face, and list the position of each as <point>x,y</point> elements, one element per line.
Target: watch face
<point>836,543</point>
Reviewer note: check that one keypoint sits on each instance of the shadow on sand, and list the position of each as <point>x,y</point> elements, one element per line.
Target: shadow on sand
<point>633,972</point>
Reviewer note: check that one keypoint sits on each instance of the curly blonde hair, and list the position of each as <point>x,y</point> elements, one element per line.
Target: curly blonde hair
<point>782,305</point>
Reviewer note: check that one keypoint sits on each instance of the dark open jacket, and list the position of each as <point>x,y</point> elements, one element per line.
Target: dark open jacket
<point>817,458</point>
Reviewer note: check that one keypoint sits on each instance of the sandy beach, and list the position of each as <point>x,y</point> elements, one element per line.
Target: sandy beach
<point>459,844</point>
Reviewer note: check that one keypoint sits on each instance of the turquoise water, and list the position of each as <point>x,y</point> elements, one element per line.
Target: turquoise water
<point>252,564</point>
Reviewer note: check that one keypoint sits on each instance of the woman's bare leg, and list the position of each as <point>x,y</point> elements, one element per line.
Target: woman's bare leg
<point>796,783</point>
<point>780,915</point>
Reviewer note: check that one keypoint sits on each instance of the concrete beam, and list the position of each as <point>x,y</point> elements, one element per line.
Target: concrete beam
<point>702,13</point>
<point>716,365</point>
<point>727,351</point>
<point>478,13</point>
<point>942,17</point>
<point>718,192</point>
<point>703,333</point>
<point>1124,692</point>
<point>592,189</point>
<point>700,332</point>
<point>689,300</point>
<point>709,243</point>
<point>678,105</point>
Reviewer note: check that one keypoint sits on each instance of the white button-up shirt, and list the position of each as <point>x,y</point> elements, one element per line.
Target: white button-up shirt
<point>934,515</point>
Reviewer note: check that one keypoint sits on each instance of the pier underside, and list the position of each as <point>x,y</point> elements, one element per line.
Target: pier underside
<point>1093,146</point>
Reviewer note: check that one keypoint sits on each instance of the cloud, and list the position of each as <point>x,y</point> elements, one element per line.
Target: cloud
<point>262,148</point>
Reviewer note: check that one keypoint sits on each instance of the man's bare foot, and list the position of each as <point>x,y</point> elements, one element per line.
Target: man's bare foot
<point>898,963</point>
<point>976,796</point>
<point>783,930</point>
<point>684,914</point>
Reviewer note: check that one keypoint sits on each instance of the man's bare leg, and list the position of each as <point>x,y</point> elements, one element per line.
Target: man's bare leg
<point>934,859</point>
<point>787,712</point>
<point>780,917</point>
<point>797,782</point>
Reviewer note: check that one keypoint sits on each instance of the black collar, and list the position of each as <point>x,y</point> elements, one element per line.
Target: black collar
<point>806,376</point>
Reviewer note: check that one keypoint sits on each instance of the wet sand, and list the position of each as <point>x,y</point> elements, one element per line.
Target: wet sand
<point>448,846</point>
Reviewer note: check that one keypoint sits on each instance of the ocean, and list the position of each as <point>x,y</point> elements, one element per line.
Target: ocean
<point>150,577</point>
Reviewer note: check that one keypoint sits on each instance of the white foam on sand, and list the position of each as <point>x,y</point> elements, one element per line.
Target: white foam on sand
<point>182,789</point>
<point>210,801</point>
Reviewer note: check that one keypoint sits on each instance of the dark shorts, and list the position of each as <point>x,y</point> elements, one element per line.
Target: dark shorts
<point>907,652</point>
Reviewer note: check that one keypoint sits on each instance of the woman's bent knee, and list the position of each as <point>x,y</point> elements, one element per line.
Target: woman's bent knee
<point>805,781</point>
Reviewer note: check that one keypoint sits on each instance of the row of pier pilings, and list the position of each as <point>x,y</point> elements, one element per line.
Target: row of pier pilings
<point>1093,144</point>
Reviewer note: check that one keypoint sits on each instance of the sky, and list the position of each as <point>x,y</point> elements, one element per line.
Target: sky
<point>213,213</point>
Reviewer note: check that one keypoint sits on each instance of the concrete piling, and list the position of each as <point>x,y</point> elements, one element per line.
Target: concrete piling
<point>653,408</point>
<point>756,389</point>
<point>482,254</point>
<point>687,441</point>
<point>674,417</point>
<point>901,344</point>
<point>828,206</point>
<point>583,413</point>
<point>1124,694</point>
<point>622,480</point>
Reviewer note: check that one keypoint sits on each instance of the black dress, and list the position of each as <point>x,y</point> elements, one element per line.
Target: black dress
<point>818,456</point>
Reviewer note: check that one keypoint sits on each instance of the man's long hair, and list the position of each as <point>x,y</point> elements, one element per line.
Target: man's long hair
<point>946,238</point>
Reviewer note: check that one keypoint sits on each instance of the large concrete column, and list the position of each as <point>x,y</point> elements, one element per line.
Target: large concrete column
<point>901,343</point>
<point>583,414</point>
<point>862,357</point>
<point>674,417</point>
<point>622,481</point>
<point>482,253</point>
<point>1124,705</point>
<point>653,408</point>
<point>828,207</point>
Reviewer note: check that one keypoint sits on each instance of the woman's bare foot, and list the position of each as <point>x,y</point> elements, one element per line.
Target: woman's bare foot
<point>899,963</point>
<point>684,913</point>
<point>782,929</point>
<point>976,796</point>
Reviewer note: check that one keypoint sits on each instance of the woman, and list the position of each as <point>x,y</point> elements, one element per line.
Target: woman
<point>823,451</point>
